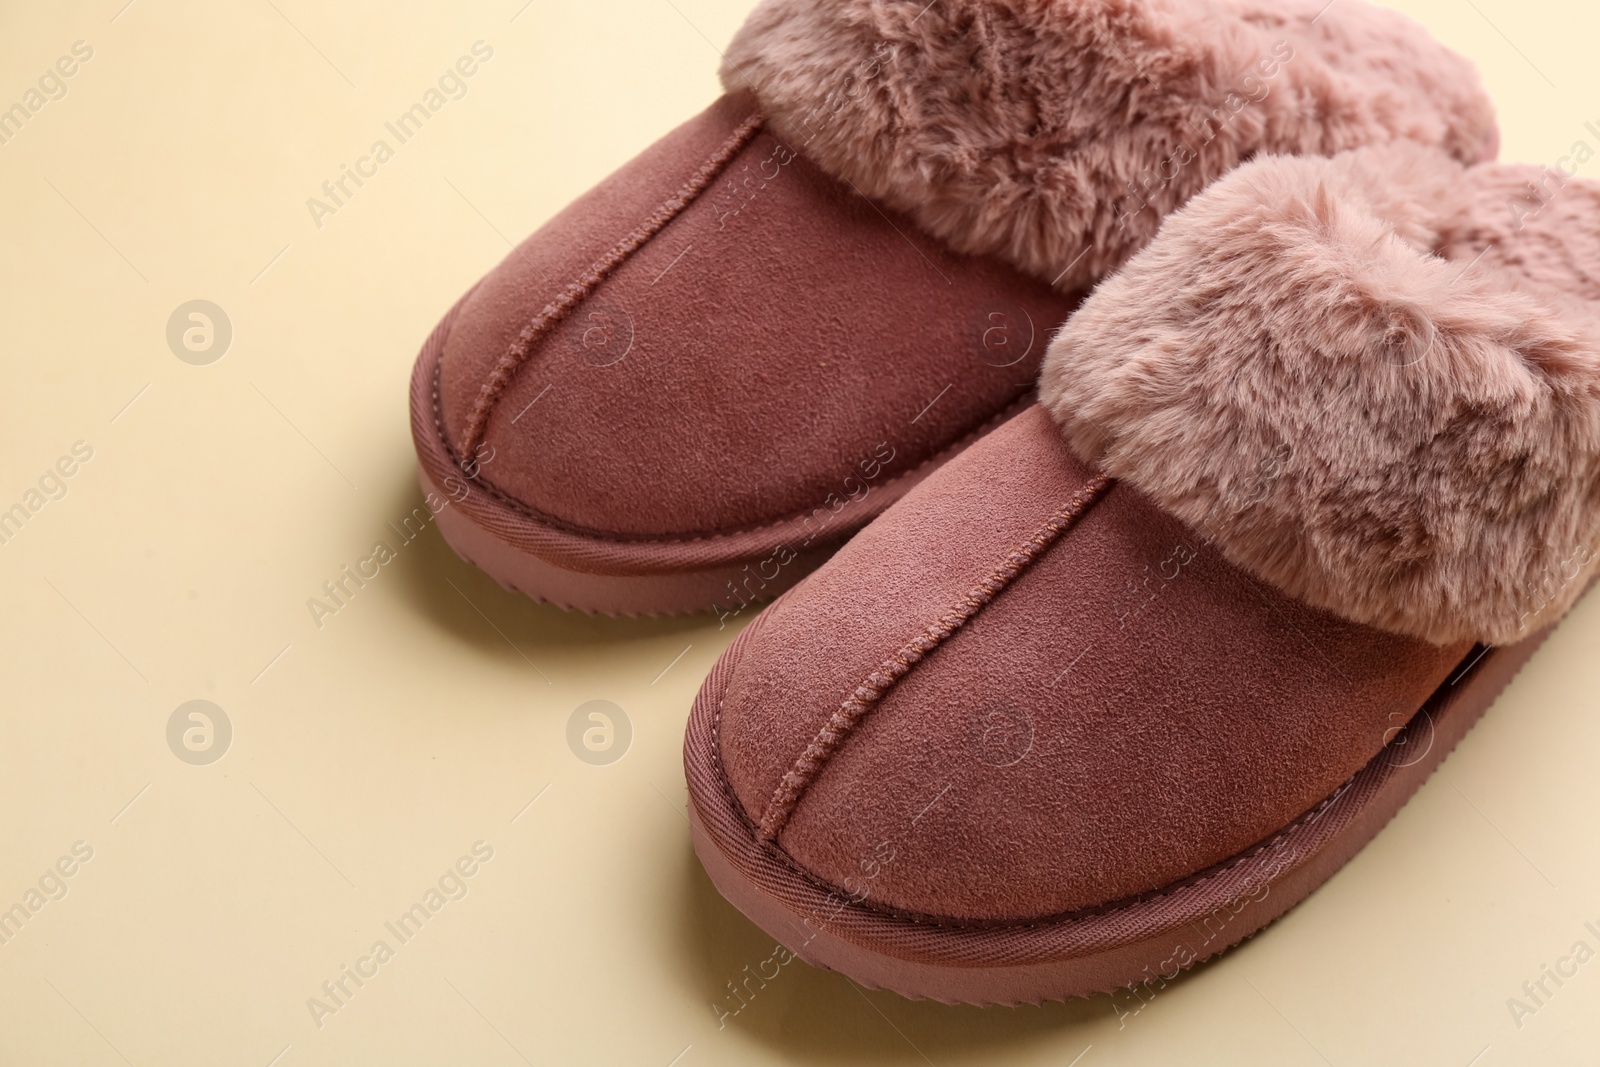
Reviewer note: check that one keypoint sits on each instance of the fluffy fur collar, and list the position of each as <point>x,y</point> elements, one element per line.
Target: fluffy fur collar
<point>1056,134</point>
<point>1373,381</point>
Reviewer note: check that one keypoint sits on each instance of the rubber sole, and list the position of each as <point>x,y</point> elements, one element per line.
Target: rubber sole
<point>1145,940</point>
<point>541,557</point>
<point>683,593</point>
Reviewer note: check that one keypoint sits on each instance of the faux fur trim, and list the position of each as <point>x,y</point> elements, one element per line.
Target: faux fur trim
<point>1373,381</point>
<point>1056,134</point>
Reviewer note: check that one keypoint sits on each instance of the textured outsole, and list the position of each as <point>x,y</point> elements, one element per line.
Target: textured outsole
<point>651,595</point>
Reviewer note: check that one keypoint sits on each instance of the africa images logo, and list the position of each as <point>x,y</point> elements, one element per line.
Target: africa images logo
<point>338,191</point>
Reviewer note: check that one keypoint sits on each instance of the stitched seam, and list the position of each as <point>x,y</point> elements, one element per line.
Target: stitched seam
<point>528,511</point>
<point>587,282</point>
<point>877,685</point>
<point>776,851</point>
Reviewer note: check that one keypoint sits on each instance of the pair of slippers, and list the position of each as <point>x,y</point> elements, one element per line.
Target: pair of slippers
<point>1210,427</point>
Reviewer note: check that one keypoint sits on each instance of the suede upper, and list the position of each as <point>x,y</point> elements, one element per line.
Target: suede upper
<point>778,346</point>
<point>1129,710</point>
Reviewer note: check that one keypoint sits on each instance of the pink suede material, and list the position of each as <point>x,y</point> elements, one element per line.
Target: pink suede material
<point>780,342</point>
<point>533,274</point>
<point>1143,940</point>
<point>1130,710</point>
<point>815,646</point>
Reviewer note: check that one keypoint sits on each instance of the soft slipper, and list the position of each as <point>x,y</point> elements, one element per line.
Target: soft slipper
<point>691,385</point>
<point>1311,477</point>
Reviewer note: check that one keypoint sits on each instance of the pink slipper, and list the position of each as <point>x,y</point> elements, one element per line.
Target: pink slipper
<point>1134,674</point>
<point>693,384</point>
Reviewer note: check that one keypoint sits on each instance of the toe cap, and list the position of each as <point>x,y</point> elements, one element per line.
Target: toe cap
<point>1127,711</point>
<point>775,344</point>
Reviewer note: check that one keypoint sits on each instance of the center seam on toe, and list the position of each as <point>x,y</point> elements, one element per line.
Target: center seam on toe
<point>871,692</point>
<point>575,293</point>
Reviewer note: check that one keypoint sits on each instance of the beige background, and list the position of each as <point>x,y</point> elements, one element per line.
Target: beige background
<point>371,753</point>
